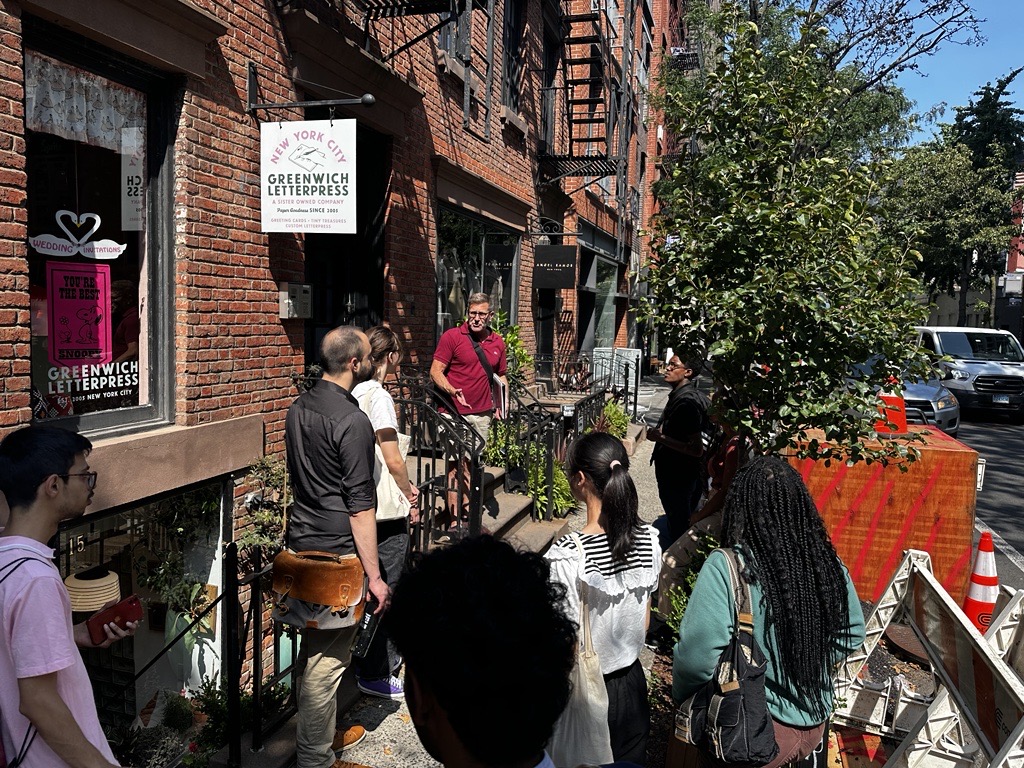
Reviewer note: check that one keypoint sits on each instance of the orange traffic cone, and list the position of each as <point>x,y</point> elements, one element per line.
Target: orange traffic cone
<point>984,588</point>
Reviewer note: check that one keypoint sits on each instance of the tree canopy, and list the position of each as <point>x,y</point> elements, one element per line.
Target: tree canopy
<point>772,261</point>
<point>955,194</point>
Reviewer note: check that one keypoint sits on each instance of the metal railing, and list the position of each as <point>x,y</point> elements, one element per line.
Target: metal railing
<point>566,372</point>
<point>439,443</point>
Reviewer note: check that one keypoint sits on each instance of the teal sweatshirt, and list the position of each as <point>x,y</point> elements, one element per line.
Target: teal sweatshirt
<point>708,625</point>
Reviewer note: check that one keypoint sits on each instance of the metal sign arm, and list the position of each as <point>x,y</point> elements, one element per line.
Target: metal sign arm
<point>366,100</point>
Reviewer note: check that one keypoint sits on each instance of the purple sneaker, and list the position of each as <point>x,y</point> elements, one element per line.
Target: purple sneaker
<point>387,688</point>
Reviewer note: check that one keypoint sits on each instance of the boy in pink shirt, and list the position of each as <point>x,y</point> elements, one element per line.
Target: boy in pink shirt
<point>47,713</point>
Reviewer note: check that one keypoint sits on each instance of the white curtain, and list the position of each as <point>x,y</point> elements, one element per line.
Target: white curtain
<point>78,105</point>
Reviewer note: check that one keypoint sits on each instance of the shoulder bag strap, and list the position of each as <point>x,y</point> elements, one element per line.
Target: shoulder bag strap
<point>483,358</point>
<point>30,734</point>
<point>588,643</point>
<point>741,595</point>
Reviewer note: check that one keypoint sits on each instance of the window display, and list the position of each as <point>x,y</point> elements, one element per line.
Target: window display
<point>86,199</point>
<point>473,256</point>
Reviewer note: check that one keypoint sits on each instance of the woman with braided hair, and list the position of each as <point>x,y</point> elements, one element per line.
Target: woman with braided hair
<point>807,617</point>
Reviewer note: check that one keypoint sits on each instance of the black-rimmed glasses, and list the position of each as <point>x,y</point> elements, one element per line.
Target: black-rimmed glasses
<point>90,477</point>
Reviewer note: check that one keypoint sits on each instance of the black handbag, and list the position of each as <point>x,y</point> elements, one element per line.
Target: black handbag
<point>727,719</point>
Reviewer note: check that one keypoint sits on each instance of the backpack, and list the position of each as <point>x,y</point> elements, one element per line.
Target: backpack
<point>710,433</point>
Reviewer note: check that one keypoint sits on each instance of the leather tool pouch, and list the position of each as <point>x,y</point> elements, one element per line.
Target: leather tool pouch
<point>336,582</point>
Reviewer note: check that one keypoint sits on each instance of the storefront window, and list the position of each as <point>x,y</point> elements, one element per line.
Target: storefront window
<point>165,552</point>
<point>604,306</point>
<point>473,256</point>
<point>86,171</point>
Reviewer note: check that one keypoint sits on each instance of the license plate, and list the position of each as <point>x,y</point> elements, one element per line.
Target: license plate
<point>1004,399</point>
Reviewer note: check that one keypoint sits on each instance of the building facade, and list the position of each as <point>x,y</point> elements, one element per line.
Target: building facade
<point>145,306</point>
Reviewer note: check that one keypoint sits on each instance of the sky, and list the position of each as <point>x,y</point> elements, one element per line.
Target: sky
<point>955,72</point>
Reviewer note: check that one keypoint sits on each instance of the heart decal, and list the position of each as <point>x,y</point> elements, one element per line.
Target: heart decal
<point>77,245</point>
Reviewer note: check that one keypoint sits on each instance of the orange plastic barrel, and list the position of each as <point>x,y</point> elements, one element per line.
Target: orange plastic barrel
<point>894,415</point>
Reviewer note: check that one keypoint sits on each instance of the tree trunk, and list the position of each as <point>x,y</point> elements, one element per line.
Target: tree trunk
<point>965,286</point>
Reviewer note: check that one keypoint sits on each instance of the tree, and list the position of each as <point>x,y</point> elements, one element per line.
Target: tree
<point>958,216</point>
<point>868,43</point>
<point>880,39</point>
<point>990,125</point>
<point>772,261</point>
<point>956,194</point>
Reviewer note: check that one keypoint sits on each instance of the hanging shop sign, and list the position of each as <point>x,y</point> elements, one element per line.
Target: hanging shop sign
<point>554,266</point>
<point>78,228</point>
<point>308,176</point>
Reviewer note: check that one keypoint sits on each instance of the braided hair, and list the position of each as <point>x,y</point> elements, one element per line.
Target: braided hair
<point>602,458</point>
<point>771,519</point>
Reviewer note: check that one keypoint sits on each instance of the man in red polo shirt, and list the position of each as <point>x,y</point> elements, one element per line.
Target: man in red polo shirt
<point>458,371</point>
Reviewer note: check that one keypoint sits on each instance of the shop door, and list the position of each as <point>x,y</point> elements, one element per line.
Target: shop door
<point>347,271</point>
<point>547,312</point>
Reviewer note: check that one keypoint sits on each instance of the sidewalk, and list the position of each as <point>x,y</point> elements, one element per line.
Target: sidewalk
<point>391,740</point>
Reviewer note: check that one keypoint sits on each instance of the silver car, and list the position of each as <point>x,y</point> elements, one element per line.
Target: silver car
<point>931,403</point>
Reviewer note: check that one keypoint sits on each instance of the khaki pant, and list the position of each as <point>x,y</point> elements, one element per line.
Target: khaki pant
<point>322,660</point>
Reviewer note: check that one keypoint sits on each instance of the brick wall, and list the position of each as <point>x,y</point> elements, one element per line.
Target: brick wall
<point>14,307</point>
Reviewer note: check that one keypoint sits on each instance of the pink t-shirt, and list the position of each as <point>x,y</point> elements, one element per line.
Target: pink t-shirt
<point>36,638</point>
<point>463,369</point>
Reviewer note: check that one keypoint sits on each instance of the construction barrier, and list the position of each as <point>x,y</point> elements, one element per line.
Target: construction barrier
<point>976,717</point>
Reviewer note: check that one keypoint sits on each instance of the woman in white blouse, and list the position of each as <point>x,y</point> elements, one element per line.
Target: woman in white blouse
<point>376,672</point>
<point>622,560</point>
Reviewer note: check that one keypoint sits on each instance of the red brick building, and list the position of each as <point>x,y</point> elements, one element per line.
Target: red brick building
<point>142,301</point>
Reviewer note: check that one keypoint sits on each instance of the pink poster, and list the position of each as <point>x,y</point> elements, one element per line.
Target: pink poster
<point>78,300</point>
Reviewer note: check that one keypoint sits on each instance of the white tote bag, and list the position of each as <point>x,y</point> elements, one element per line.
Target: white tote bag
<point>392,504</point>
<point>581,733</point>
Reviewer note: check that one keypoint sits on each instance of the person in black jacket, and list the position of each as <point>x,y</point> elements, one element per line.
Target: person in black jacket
<point>679,447</point>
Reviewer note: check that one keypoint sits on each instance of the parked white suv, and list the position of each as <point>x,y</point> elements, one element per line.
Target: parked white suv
<point>987,366</point>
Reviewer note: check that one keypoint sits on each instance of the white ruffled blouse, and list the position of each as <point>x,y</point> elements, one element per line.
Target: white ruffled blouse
<point>619,592</point>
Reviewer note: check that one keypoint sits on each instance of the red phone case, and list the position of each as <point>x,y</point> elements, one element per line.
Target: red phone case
<point>129,609</point>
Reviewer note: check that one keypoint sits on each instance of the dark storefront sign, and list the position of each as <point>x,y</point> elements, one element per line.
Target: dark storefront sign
<point>502,257</point>
<point>554,266</point>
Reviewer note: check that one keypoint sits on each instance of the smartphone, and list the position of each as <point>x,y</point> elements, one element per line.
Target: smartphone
<point>129,609</point>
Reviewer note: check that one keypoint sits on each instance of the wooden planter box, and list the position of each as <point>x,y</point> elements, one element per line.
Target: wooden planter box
<point>874,513</point>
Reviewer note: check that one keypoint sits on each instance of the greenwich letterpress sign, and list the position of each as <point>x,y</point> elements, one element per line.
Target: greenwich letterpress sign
<point>308,176</point>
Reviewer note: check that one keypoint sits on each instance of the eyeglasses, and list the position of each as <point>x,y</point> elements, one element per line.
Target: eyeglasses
<point>479,314</point>
<point>674,366</point>
<point>90,477</point>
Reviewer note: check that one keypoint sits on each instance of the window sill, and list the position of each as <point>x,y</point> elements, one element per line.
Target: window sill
<point>513,120</point>
<point>452,66</point>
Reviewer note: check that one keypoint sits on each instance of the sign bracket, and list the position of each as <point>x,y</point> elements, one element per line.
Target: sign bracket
<point>252,107</point>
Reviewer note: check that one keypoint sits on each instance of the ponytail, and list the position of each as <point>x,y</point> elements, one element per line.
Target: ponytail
<point>603,459</point>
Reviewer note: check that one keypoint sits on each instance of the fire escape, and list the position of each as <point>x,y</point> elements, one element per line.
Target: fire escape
<point>474,56</point>
<point>587,105</point>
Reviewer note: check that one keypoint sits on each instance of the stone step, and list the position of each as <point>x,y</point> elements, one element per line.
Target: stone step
<point>494,477</point>
<point>537,535</point>
<point>505,512</point>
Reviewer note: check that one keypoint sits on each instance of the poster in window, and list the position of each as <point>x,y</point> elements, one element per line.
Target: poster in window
<point>308,176</point>
<point>79,313</point>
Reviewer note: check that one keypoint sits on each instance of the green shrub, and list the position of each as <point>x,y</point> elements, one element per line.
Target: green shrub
<point>679,596</point>
<point>613,419</point>
<point>211,699</point>
<point>564,502</point>
<point>178,714</point>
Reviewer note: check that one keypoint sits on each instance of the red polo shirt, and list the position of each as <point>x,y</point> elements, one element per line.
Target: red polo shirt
<point>462,366</point>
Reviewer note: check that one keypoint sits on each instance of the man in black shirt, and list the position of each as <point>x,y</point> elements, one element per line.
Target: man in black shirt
<point>330,460</point>
<point>679,449</point>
